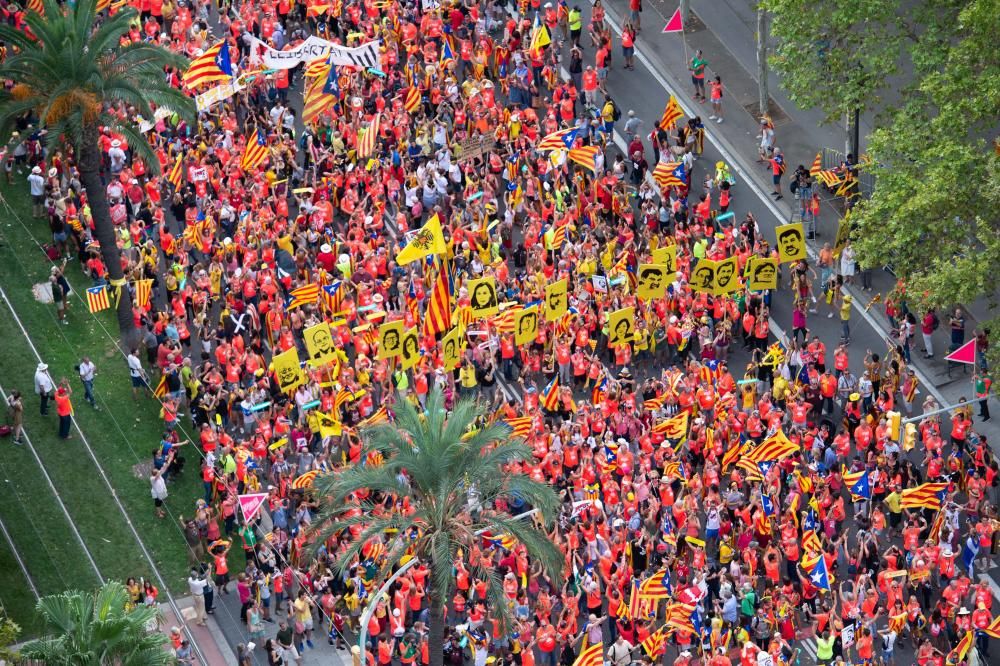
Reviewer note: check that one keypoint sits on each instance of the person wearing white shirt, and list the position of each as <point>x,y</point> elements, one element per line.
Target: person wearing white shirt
<point>44,386</point>
<point>88,371</point>
<point>36,182</point>
<point>136,372</point>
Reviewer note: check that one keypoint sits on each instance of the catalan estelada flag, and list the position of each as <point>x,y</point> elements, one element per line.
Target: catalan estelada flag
<point>255,152</point>
<point>674,428</point>
<point>381,415</point>
<point>857,483</point>
<point>550,395</point>
<point>97,298</point>
<point>176,174</point>
<point>212,65</point>
<point>561,140</point>
<point>655,644</point>
<point>303,295</point>
<point>924,496</point>
<point>671,114</point>
<point>670,174</point>
<point>333,296</point>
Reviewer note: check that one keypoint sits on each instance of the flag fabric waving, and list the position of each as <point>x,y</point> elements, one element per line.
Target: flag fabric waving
<point>520,426</point>
<point>924,496</point>
<point>817,165</point>
<point>97,298</point>
<point>675,428</point>
<point>429,239</point>
<point>437,319</point>
<point>561,140</point>
<point>411,100</point>
<point>176,174</point>
<point>550,395</point>
<point>857,483</point>
<point>585,157</point>
<point>775,447</point>
<point>255,152</point>
<point>143,292</point>
<point>670,174</point>
<point>366,142</point>
<point>592,655</point>
<point>303,295</point>
<point>316,101</point>
<point>815,568</point>
<point>671,114</point>
<point>212,65</point>
<point>161,387</point>
<point>655,644</point>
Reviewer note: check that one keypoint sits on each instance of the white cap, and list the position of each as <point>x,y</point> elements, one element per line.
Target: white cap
<point>42,367</point>
<point>116,143</point>
<point>36,169</point>
<point>325,248</point>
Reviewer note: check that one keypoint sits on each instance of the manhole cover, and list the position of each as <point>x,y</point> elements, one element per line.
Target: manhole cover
<point>778,116</point>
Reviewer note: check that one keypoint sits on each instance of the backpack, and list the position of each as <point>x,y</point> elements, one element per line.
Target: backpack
<point>935,322</point>
<point>616,113</point>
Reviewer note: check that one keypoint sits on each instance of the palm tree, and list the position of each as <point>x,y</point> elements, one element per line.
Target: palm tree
<point>67,77</point>
<point>97,628</point>
<point>454,481</point>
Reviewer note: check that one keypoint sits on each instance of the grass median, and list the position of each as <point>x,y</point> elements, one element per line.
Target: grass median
<point>122,434</point>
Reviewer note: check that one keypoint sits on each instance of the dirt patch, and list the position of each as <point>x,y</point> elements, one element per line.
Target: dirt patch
<point>142,470</point>
<point>42,292</point>
<point>777,114</point>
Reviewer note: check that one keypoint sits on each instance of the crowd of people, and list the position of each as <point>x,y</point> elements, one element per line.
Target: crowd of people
<point>714,509</point>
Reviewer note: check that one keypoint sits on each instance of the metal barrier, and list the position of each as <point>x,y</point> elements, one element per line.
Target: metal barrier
<point>832,158</point>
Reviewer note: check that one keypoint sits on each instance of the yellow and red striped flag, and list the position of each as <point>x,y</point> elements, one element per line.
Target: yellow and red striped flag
<point>161,387</point>
<point>212,65</point>
<point>592,655</point>
<point>366,142</point>
<point>411,100</point>
<point>520,426</point>
<point>958,654</point>
<point>732,454</point>
<point>176,174</point>
<point>305,480</point>
<point>316,101</point>
<point>673,428</point>
<point>655,644</point>
<point>585,157</point>
<point>669,174</point>
<point>303,295</point>
<point>924,496</point>
<point>256,151</point>
<point>97,298</point>
<point>36,6</point>
<point>437,319</point>
<point>381,415</point>
<point>671,114</point>
<point>993,629</point>
<point>775,447</point>
<point>817,165</point>
<point>143,292</point>
<point>102,5</point>
<point>550,395</point>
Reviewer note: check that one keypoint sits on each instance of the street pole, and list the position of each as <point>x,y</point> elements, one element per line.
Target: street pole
<point>856,135</point>
<point>370,608</point>
<point>685,11</point>
<point>762,59</point>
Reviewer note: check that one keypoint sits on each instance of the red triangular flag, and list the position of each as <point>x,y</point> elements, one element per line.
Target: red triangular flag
<point>251,504</point>
<point>676,23</point>
<point>964,354</point>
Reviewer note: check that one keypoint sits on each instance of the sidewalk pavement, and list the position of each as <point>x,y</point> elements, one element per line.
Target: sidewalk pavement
<point>725,32</point>
<point>209,639</point>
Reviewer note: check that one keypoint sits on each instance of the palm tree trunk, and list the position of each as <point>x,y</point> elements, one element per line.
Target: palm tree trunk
<point>435,640</point>
<point>104,230</point>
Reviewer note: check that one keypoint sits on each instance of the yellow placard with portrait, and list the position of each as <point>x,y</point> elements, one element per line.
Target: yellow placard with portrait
<point>791,242</point>
<point>526,326</point>
<point>410,352</point>
<point>665,255</point>
<point>726,276</point>
<point>763,274</point>
<point>451,348</point>
<point>703,276</point>
<point>652,281</point>
<point>288,371</point>
<point>390,339</point>
<point>319,344</point>
<point>556,301</point>
<point>621,327</point>
<point>483,297</point>
<point>843,235</point>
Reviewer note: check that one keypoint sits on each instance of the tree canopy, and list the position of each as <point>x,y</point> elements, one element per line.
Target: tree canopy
<point>933,215</point>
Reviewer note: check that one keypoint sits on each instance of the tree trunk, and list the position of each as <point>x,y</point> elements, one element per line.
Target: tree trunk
<point>435,640</point>
<point>762,93</point>
<point>104,231</point>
